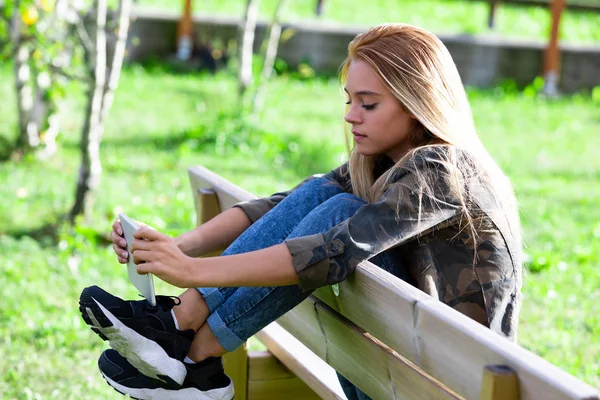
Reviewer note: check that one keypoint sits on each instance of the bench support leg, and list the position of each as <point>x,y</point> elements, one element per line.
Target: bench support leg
<point>499,383</point>
<point>236,367</point>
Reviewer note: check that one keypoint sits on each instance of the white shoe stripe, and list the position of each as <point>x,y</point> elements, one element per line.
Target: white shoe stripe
<point>225,393</point>
<point>144,354</point>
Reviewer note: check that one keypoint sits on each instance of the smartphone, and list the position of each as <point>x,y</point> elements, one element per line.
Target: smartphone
<point>143,283</point>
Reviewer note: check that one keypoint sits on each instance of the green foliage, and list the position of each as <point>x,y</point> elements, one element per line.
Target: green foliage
<point>161,124</point>
<point>596,94</point>
<point>43,41</point>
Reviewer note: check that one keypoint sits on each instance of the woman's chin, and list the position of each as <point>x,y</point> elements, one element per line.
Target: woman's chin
<point>366,152</point>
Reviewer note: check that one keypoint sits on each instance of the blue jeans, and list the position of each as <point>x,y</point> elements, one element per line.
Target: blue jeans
<point>239,312</point>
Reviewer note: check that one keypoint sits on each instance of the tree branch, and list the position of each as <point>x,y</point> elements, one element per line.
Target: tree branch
<point>84,38</point>
<point>270,54</point>
<point>117,58</point>
<point>245,72</point>
<point>61,72</point>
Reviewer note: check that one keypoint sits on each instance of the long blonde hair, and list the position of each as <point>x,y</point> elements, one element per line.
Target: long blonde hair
<point>419,71</point>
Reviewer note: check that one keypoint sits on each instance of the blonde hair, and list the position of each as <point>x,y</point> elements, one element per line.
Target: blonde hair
<point>419,71</point>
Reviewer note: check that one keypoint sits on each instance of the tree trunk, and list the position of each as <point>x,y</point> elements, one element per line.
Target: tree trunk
<point>117,58</point>
<point>245,72</point>
<point>26,140</point>
<point>91,167</point>
<point>270,54</point>
<point>27,137</point>
<point>38,116</point>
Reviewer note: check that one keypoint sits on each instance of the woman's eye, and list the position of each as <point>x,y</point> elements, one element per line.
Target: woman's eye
<point>369,106</point>
<point>348,102</point>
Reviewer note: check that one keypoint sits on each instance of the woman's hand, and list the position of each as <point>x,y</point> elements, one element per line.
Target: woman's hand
<point>119,243</point>
<point>157,253</point>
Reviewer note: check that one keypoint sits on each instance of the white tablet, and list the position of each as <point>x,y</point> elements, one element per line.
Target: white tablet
<point>143,283</point>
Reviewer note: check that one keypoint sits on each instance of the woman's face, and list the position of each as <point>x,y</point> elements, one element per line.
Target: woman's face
<point>379,124</point>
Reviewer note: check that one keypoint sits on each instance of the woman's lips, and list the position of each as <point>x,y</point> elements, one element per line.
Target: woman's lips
<point>357,136</point>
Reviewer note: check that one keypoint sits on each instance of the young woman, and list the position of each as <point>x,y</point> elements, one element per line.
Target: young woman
<point>420,197</point>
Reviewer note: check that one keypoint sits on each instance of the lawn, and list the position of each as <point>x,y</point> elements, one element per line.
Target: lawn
<point>439,16</point>
<point>161,124</point>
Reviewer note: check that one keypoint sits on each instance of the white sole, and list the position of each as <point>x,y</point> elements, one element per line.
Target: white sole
<point>144,354</point>
<point>225,393</point>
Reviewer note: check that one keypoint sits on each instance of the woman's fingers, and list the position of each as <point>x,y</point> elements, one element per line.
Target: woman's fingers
<point>122,254</point>
<point>140,244</point>
<point>141,256</point>
<point>145,268</point>
<point>117,239</point>
<point>147,233</point>
<point>117,227</point>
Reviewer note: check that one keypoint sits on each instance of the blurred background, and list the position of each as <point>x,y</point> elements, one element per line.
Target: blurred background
<point>106,104</point>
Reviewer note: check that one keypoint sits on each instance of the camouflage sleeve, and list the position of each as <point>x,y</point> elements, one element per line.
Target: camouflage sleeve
<point>341,177</point>
<point>256,208</point>
<point>407,210</point>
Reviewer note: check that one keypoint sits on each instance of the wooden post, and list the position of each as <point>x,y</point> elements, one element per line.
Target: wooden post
<point>551,57</point>
<point>236,367</point>
<point>499,383</point>
<point>207,206</point>
<point>319,8</point>
<point>184,33</point>
<point>492,15</point>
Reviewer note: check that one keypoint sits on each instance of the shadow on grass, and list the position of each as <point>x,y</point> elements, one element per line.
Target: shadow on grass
<point>49,234</point>
<point>171,141</point>
<point>293,150</point>
<point>6,149</point>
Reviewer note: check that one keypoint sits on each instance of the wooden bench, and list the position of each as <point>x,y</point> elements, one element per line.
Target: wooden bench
<point>389,338</point>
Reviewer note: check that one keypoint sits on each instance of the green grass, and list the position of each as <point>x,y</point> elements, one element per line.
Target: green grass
<point>161,124</point>
<point>439,16</point>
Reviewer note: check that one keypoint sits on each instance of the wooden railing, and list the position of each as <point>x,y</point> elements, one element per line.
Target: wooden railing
<point>387,337</point>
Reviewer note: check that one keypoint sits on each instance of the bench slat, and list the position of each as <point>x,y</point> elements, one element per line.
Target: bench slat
<point>444,342</point>
<point>301,361</point>
<point>375,368</point>
<point>228,193</point>
<point>449,339</point>
<point>269,379</point>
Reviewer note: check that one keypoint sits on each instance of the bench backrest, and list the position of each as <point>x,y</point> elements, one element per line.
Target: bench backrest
<point>394,341</point>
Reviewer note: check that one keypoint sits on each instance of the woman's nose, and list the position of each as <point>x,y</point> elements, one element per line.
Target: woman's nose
<point>351,116</point>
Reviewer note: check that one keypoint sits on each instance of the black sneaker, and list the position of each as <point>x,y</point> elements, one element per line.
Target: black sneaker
<point>145,335</point>
<point>204,381</point>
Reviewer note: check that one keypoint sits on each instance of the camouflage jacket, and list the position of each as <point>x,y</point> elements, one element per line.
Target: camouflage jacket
<point>480,278</point>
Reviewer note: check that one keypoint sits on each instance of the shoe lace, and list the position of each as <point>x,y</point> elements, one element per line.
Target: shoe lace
<point>165,302</point>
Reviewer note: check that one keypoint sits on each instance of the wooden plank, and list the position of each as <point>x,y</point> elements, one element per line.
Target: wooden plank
<point>236,367</point>
<point>264,366</point>
<point>290,388</point>
<point>499,383</point>
<point>448,339</point>
<point>372,366</point>
<point>383,296</point>
<point>228,193</point>
<point>300,360</point>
